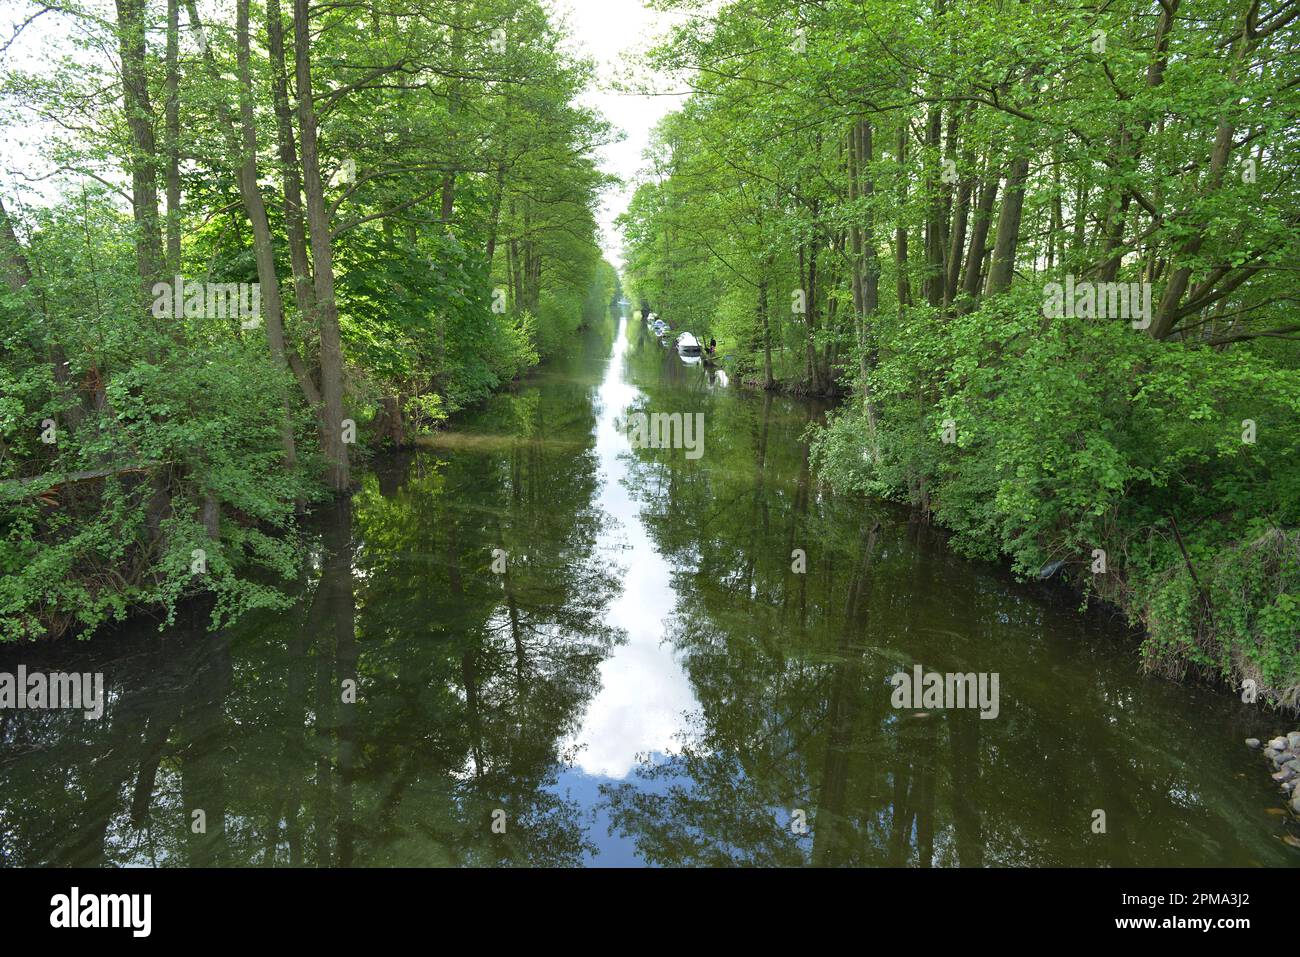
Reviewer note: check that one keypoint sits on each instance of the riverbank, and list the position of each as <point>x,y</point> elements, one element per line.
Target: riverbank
<point>1283,753</point>
<point>81,551</point>
<point>1135,481</point>
<point>1204,605</point>
<point>647,680</point>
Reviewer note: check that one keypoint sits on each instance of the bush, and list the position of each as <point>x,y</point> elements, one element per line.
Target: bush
<point>1077,435</point>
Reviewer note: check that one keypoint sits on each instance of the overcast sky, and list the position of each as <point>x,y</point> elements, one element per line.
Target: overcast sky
<point>614,32</point>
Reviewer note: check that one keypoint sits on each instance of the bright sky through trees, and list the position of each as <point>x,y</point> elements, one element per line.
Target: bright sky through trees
<point>616,33</point>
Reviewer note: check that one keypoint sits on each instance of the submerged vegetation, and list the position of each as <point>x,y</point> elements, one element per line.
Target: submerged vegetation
<point>1047,251</point>
<point>411,189</point>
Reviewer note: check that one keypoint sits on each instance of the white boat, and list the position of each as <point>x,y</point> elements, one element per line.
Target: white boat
<point>688,345</point>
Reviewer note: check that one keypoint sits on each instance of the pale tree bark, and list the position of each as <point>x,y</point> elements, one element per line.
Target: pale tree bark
<point>294,226</point>
<point>264,250</point>
<point>494,218</point>
<point>172,136</point>
<point>322,254</point>
<point>241,144</point>
<point>453,108</point>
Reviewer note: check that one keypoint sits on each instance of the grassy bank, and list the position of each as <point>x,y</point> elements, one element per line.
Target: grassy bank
<point>1165,481</point>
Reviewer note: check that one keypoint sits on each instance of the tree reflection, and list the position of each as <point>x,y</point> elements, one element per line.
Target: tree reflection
<point>467,682</point>
<point>472,684</point>
<point>791,672</point>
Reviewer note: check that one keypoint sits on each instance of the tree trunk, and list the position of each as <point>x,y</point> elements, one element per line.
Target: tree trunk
<point>294,228</point>
<point>810,315</point>
<point>900,232</point>
<point>144,152</point>
<point>1166,314</point>
<point>242,147</point>
<point>172,139</point>
<point>973,279</point>
<point>322,254</point>
<point>495,217</point>
<point>866,269</point>
<point>768,381</point>
<point>263,248</point>
<point>933,281</point>
<point>957,238</point>
<point>1003,264</point>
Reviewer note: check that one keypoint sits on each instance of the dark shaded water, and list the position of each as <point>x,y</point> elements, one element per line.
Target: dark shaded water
<point>647,682</point>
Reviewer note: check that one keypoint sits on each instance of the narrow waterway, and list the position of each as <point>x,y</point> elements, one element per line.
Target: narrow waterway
<point>570,651</point>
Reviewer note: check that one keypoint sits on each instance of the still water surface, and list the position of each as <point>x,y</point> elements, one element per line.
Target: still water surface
<point>648,682</point>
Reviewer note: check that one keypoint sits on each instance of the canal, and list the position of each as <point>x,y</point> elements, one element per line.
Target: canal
<point>530,643</point>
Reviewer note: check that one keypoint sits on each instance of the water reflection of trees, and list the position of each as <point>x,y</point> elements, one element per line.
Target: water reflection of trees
<point>467,682</point>
<point>791,673</point>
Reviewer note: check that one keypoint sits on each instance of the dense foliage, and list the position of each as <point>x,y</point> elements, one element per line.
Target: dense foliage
<point>933,204</point>
<point>409,186</point>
